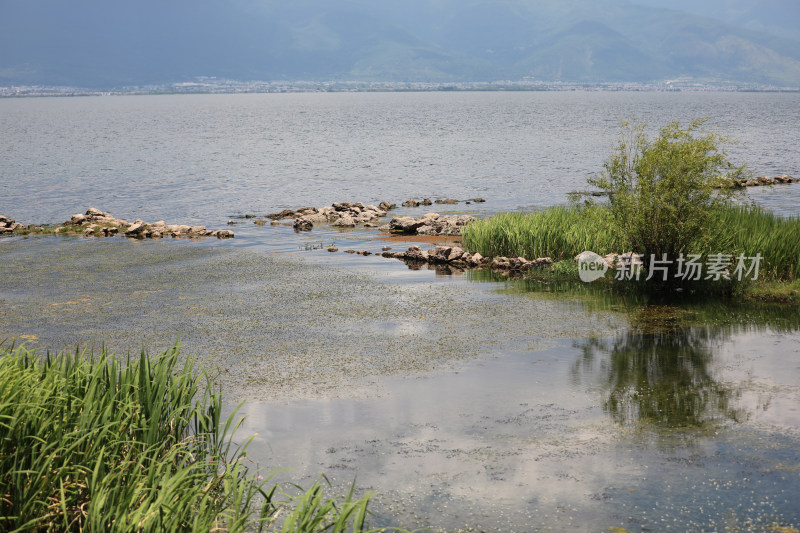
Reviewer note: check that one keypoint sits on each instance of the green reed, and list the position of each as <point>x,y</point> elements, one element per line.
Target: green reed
<point>563,232</point>
<point>136,444</point>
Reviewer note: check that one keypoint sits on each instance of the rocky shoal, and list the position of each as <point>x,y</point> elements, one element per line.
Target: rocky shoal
<point>349,215</point>
<point>457,257</point>
<point>763,180</point>
<point>97,223</point>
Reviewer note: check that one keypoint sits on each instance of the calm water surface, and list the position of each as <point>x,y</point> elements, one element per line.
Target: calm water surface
<point>468,402</point>
<point>202,158</point>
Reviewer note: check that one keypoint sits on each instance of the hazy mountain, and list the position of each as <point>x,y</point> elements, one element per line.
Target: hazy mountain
<point>105,43</point>
<point>781,17</point>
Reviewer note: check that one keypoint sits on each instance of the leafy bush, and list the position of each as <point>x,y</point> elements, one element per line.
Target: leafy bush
<point>663,193</point>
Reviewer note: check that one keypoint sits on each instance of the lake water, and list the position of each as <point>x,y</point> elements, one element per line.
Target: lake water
<point>201,158</point>
<point>469,402</point>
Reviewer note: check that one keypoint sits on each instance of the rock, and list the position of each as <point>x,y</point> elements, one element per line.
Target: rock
<point>370,225</point>
<point>197,230</point>
<point>439,254</point>
<point>8,225</point>
<point>231,223</point>
<point>275,223</point>
<point>349,251</point>
<point>364,252</point>
<point>405,224</point>
<point>386,248</point>
<point>416,253</point>
<point>501,263</point>
<point>77,220</point>
<point>136,229</point>
<point>345,221</point>
<point>286,213</point>
<point>386,206</point>
<point>223,234</point>
<point>426,201</point>
<point>456,254</point>
<point>411,203</point>
<point>478,200</point>
<point>765,180</point>
<point>332,249</point>
<point>93,212</point>
<point>447,201</point>
<point>249,215</point>
<point>475,259</point>
<point>302,224</point>
<point>260,222</point>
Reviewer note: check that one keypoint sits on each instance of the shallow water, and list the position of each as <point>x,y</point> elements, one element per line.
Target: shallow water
<point>466,400</point>
<point>684,428</point>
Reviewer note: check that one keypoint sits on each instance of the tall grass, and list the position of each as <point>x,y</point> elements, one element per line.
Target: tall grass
<point>753,230</point>
<point>563,232</point>
<point>101,444</point>
<point>558,232</point>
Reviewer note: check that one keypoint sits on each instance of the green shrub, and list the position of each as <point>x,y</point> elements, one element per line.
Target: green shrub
<point>663,197</point>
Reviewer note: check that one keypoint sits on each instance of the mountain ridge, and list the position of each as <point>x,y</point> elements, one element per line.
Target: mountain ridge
<point>94,43</point>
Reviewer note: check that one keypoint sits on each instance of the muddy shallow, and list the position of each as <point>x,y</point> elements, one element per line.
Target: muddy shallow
<point>466,401</point>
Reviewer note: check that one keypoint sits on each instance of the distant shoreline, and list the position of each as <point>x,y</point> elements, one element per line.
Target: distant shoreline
<point>282,87</point>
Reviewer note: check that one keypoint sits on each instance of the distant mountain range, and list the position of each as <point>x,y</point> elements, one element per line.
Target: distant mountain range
<point>110,43</point>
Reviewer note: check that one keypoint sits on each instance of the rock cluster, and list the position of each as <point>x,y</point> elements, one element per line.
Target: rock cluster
<point>458,257</point>
<point>764,180</point>
<point>8,225</point>
<point>417,203</point>
<point>430,224</point>
<point>427,201</point>
<point>340,214</point>
<point>102,224</point>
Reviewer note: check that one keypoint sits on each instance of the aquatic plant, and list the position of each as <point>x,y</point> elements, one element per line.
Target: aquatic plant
<point>137,444</point>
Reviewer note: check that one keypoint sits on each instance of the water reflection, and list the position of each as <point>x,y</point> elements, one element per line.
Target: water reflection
<point>663,379</point>
<point>662,372</point>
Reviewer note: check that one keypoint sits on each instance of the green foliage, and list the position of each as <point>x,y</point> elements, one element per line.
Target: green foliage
<point>561,233</point>
<point>663,198</point>
<point>98,444</point>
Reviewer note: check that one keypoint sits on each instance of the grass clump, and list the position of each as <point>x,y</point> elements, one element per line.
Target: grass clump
<point>558,232</point>
<point>101,444</point>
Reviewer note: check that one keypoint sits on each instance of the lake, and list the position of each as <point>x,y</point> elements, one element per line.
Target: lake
<point>467,401</point>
